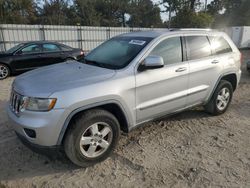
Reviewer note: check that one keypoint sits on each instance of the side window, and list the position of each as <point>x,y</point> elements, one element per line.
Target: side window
<point>198,47</point>
<point>34,48</point>
<point>219,45</point>
<point>50,48</point>
<point>170,50</point>
<point>65,48</point>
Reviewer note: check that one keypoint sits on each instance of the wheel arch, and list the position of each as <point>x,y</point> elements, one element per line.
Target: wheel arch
<point>113,107</point>
<point>11,71</point>
<point>70,58</point>
<point>230,77</point>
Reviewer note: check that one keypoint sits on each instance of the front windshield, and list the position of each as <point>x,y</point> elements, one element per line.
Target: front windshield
<point>13,49</point>
<point>117,52</point>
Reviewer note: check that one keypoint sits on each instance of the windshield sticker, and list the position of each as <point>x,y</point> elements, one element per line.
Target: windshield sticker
<point>137,42</point>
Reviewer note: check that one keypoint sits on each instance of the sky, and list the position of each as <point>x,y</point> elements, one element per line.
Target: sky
<point>164,16</point>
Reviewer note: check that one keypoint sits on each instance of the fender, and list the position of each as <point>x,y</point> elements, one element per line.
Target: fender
<point>94,105</point>
<point>217,83</point>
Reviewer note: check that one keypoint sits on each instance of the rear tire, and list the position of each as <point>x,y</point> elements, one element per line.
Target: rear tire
<point>221,98</point>
<point>4,71</point>
<point>92,137</point>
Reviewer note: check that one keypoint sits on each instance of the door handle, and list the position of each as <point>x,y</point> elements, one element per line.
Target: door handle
<point>181,69</point>
<point>39,55</point>
<point>215,62</point>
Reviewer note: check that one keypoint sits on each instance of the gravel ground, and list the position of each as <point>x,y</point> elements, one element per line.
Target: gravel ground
<point>191,149</point>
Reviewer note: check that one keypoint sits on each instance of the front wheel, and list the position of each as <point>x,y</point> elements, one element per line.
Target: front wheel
<point>4,71</point>
<point>92,137</point>
<point>221,98</point>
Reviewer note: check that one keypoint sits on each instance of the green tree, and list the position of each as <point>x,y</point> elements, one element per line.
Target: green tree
<point>54,12</point>
<point>230,12</point>
<point>189,19</point>
<point>143,13</point>
<point>17,11</point>
<point>181,9</point>
<point>86,13</point>
<point>112,12</point>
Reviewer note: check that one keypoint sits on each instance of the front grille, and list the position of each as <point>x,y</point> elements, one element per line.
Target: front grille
<point>15,102</point>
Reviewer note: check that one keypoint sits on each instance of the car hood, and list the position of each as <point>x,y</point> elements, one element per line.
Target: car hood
<point>3,54</point>
<point>44,81</point>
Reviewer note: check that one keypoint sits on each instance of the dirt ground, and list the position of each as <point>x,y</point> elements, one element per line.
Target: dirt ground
<point>191,149</point>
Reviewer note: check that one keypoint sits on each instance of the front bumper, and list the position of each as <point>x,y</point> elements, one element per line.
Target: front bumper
<point>49,151</point>
<point>47,125</point>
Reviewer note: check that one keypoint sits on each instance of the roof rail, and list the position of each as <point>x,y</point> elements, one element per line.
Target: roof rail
<point>190,29</point>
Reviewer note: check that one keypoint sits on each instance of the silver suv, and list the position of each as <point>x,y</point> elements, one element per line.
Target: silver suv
<point>126,81</point>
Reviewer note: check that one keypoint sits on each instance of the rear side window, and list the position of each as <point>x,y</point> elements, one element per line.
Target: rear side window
<point>170,50</point>
<point>219,45</point>
<point>65,48</point>
<point>50,48</point>
<point>198,47</point>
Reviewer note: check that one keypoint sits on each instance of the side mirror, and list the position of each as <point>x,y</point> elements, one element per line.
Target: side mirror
<point>152,62</point>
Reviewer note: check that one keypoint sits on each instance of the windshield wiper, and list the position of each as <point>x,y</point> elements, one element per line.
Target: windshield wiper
<point>95,63</point>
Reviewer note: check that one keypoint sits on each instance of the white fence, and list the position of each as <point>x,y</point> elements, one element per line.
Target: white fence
<point>83,37</point>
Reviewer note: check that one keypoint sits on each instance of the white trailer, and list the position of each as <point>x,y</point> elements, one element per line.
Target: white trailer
<point>240,36</point>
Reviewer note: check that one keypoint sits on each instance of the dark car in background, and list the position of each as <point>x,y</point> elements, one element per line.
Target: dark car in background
<point>30,55</point>
<point>248,66</point>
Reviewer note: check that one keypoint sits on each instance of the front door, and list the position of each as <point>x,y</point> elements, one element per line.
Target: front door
<point>164,90</point>
<point>27,58</point>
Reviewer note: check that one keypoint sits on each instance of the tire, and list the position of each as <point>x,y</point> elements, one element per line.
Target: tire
<point>85,126</point>
<point>4,71</point>
<point>221,98</point>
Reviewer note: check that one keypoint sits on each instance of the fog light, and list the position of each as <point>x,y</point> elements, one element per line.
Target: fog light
<point>31,133</point>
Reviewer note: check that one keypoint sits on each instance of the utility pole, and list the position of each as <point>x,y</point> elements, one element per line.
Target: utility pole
<point>205,5</point>
<point>169,16</point>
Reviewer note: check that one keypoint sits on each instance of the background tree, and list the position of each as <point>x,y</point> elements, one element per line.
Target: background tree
<point>143,13</point>
<point>54,12</point>
<point>127,13</point>
<point>186,14</point>
<point>86,13</point>
<point>228,13</point>
<point>17,11</point>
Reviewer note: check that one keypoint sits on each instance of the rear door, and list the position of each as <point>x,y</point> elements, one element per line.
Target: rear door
<point>204,68</point>
<point>164,90</point>
<point>52,54</point>
<point>29,57</point>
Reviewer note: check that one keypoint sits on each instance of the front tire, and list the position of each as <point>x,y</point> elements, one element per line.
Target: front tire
<point>221,98</point>
<point>92,137</point>
<point>4,71</point>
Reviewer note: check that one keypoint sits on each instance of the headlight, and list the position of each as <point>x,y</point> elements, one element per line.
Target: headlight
<point>37,104</point>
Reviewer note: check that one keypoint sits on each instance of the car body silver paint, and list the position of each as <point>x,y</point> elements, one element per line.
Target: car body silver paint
<point>79,87</point>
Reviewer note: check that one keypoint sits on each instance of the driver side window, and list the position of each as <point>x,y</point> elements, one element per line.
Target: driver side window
<point>34,48</point>
<point>170,50</point>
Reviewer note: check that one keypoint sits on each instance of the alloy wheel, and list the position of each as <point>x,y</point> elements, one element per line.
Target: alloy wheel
<point>96,139</point>
<point>223,98</point>
<point>3,71</point>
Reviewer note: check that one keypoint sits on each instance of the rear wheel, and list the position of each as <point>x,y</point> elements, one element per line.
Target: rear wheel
<point>221,98</point>
<point>92,137</point>
<point>4,71</point>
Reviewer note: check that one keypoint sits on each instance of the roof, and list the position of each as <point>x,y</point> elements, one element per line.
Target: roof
<point>41,42</point>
